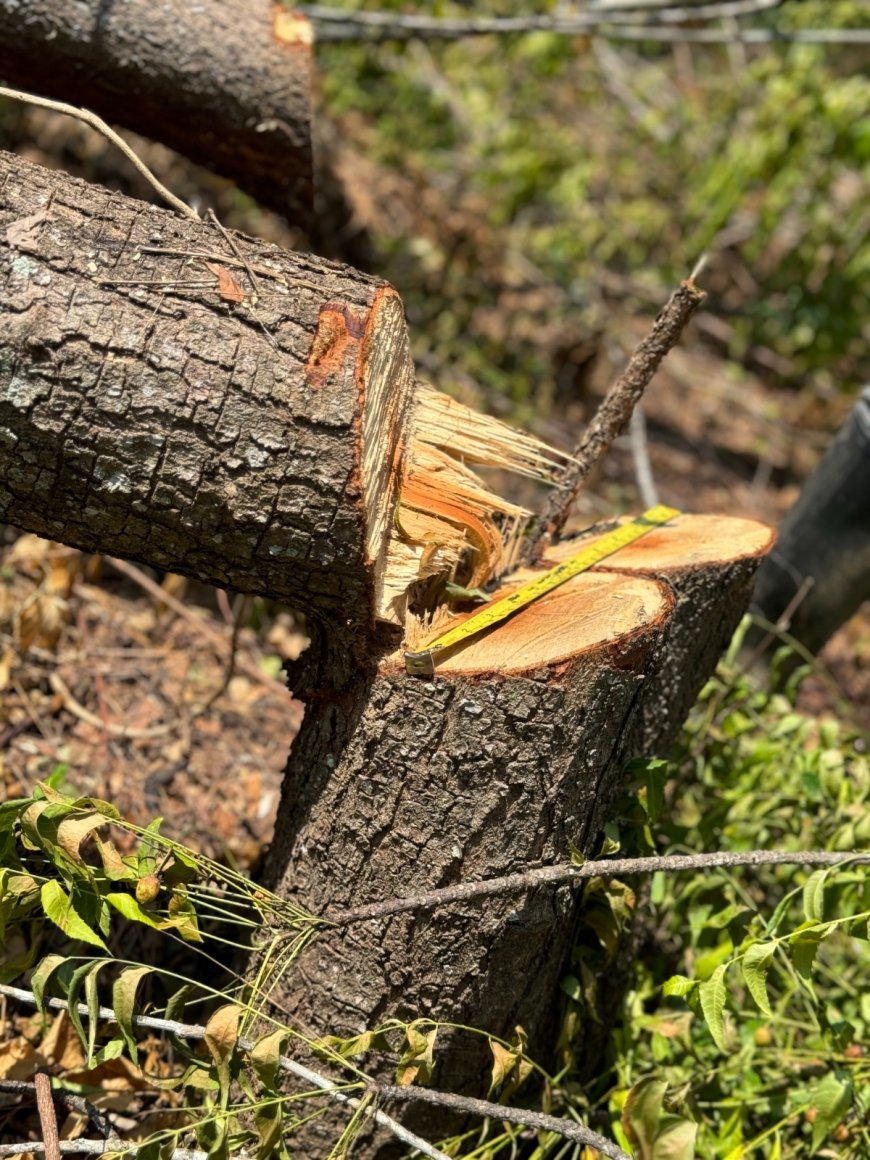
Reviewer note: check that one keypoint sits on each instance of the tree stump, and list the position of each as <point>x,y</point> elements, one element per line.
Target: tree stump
<point>505,761</point>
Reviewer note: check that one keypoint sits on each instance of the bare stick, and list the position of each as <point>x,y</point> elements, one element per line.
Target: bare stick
<point>604,868</point>
<point>202,626</point>
<point>568,1129</point>
<point>100,125</point>
<point>47,1115</point>
<point>338,24</point>
<point>643,472</point>
<point>614,414</point>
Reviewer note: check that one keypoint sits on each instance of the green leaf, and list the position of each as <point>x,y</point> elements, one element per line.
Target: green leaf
<point>212,1134</point>
<point>127,905</point>
<point>149,851</point>
<point>712,995</point>
<point>40,977</point>
<point>92,1001</point>
<point>416,1062</point>
<point>642,1113</point>
<point>177,1002</point>
<point>654,775</point>
<point>58,907</point>
<point>675,1139</point>
<point>109,1051</point>
<point>679,985</point>
<point>78,979</point>
<point>269,1125</point>
<point>803,945</point>
<point>266,1057</point>
<point>124,1004</point>
<point>221,1036</point>
<point>10,811</point>
<point>814,896</point>
<point>831,1099</point>
<point>756,963</point>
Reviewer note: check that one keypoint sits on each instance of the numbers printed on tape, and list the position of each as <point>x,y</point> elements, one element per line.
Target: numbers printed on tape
<point>423,662</point>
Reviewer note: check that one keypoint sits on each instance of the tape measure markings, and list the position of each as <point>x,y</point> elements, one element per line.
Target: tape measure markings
<point>422,662</point>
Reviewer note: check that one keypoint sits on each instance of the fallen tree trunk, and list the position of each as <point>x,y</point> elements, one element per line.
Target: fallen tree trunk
<point>148,413</point>
<point>249,416</point>
<point>225,82</point>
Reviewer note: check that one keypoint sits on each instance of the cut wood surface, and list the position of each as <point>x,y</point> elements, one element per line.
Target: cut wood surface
<point>710,567</point>
<point>504,761</point>
<point>226,82</point>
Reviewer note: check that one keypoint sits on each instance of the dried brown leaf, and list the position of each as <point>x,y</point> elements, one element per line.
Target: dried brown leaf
<point>228,287</point>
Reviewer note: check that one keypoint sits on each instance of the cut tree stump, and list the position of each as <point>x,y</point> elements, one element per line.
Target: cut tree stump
<point>505,761</point>
<point>225,82</point>
<point>156,404</point>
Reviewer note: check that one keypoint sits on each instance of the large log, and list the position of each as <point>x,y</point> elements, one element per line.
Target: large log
<point>228,410</point>
<point>819,575</point>
<point>226,82</point>
<point>144,415</point>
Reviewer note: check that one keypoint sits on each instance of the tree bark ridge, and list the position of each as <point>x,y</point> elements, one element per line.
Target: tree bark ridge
<point>157,420</point>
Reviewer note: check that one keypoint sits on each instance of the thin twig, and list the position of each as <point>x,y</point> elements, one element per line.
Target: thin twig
<point>100,125</point>
<point>196,1031</point>
<point>217,638</point>
<point>110,727</point>
<point>339,24</point>
<point>228,238</point>
<point>745,35</point>
<point>613,416</point>
<point>539,1121</point>
<point>782,624</point>
<point>643,472</point>
<point>603,868</point>
<point>96,1148</point>
<point>47,1115</point>
<point>237,618</point>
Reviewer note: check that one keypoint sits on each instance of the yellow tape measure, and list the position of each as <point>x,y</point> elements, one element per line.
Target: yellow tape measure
<point>422,663</point>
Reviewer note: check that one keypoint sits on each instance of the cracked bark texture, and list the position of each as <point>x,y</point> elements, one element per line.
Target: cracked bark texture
<point>226,82</point>
<point>474,775</point>
<point>466,776</point>
<point>161,423</point>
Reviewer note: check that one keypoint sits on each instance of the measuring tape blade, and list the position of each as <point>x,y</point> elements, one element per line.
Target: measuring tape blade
<point>423,663</point>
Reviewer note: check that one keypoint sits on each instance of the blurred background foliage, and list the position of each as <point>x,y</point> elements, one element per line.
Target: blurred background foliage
<point>521,190</point>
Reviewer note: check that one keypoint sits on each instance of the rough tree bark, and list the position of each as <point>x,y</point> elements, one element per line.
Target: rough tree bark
<point>226,82</point>
<point>145,415</point>
<point>268,445</point>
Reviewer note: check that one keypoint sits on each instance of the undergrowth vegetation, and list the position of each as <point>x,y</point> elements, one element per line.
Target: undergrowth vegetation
<point>534,183</point>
